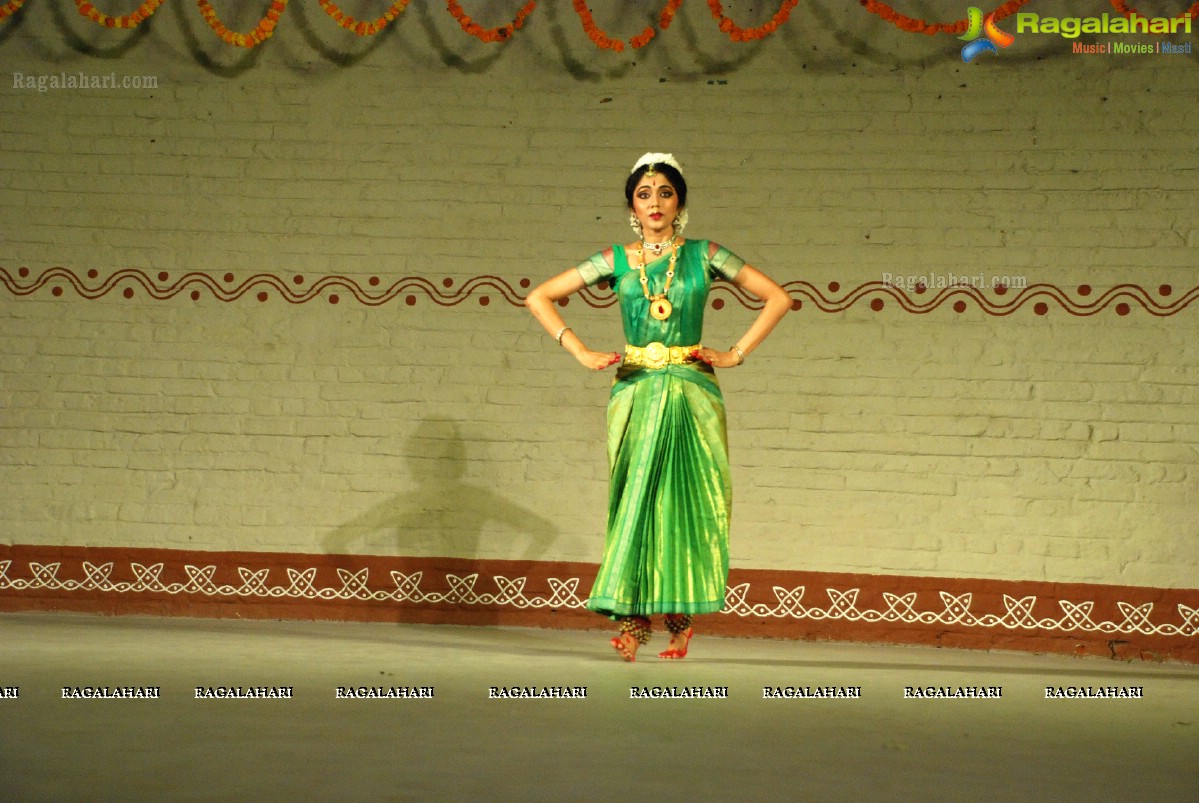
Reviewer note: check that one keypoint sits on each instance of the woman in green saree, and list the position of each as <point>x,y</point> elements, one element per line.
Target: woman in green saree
<point>670,493</point>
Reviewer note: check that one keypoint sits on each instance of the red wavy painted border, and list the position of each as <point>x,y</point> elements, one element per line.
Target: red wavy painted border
<point>131,283</point>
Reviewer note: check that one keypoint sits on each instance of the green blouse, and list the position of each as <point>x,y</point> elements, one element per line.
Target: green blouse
<point>697,264</point>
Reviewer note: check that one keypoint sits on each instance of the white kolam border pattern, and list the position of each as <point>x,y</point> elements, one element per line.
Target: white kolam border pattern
<point>353,586</point>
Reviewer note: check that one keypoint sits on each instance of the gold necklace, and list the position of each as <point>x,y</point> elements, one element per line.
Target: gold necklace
<point>659,307</point>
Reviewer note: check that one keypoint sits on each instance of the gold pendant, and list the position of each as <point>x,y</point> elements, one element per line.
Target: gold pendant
<point>660,309</point>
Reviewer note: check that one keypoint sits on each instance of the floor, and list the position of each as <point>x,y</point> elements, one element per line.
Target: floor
<point>463,745</point>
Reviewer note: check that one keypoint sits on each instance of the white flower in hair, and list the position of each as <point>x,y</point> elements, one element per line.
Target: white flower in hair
<point>657,159</point>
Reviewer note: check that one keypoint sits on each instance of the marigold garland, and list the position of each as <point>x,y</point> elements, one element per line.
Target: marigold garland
<point>500,34</point>
<point>593,31</point>
<point>602,40</point>
<point>8,9</point>
<point>362,27</point>
<point>266,25</point>
<point>143,13</point>
<point>262,31</point>
<point>1127,10</point>
<point>739,34</point>
<point>664,19</point>
<point>913,25</point>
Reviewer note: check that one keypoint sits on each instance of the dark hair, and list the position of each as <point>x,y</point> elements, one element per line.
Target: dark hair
<point>672,175</point>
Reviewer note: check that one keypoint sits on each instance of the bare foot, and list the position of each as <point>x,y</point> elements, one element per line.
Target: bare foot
<point>678,645</point>
<point>626,645</point>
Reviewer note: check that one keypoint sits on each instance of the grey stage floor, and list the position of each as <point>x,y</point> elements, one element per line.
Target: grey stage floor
<point>461,745</point>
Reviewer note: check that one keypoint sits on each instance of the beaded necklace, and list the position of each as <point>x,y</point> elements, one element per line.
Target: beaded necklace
<point>659,306</point>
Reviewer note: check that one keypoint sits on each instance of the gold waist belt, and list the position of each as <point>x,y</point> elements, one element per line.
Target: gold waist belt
<point>658,355</point>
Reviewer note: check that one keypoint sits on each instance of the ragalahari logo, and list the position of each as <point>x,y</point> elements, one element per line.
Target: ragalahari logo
<point>986,28</point>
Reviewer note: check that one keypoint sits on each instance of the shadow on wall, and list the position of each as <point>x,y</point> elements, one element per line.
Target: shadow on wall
<point>441,515</point>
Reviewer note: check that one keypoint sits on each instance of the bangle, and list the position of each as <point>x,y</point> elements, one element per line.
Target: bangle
<point>561,332</point>
<point>740,354</point>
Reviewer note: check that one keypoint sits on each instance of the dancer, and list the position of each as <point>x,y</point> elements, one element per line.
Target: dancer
<point>670,493</point>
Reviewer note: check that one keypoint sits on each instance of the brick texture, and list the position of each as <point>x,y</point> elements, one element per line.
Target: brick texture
<point>1054,447</point>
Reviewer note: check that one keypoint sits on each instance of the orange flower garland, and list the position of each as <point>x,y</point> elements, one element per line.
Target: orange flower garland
<point>1128,10</point>
<point>499,34</point>
<point>739,34</point>
<point>593,31</point>
<point>640,40</point>
<point>913,25</point>
<point>664,19</point>
<point>266,25</point>
<point>361,27</point>
<point>10,8</point>
<point>143,13</point>
<point>261,32</point>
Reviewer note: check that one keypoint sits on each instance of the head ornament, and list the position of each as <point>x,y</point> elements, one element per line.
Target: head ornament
<point>652,159</point>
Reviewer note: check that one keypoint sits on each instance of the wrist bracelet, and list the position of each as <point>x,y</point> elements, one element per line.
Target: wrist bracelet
<point>740,354</point>
<point>561,332</point>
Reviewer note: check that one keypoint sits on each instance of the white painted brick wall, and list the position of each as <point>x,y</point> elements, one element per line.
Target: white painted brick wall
<point>1047,447</point>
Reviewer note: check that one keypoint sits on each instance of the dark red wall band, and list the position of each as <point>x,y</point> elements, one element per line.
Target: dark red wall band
<point>1122,622</point>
